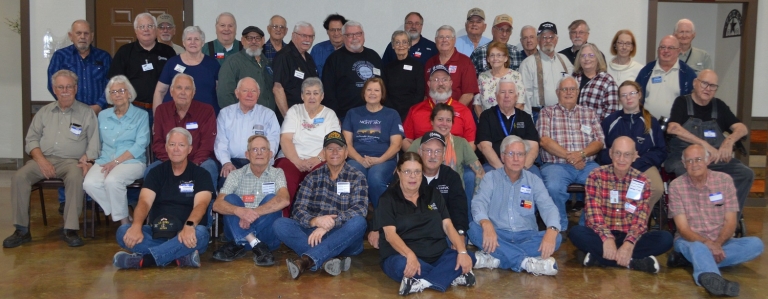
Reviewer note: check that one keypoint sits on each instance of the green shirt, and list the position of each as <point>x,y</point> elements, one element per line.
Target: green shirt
<point>239,66</point>
<point>66,133</point>
<point>219,48</point>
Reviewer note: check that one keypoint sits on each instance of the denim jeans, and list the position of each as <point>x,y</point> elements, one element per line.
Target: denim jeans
<point>261,228</point>
<point>164,251</point>
<point>513,247</point>
<point>209,165</point>
<point>737,251</point>
<point>439,273</point>
<point>345,240</point>
<point>557,177</point>
<point>378,176</point>
<point>238,163</point>
<point>651,243</point>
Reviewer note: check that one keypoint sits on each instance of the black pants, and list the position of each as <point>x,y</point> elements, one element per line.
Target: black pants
<point>650,243</point>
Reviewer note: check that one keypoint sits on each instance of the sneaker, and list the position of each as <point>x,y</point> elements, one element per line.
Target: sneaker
<point>486,260</point>
<point>589,260</point>
<point>262,256</point>
<point>332,266</point>
<point>16,239</point>
<point>229,252</point>
<point>410,285</point>
<point>676,259</point>
<point>464,280</point>
<point>346,263</point>
<point>190,260</point>
<point>124,260</point>
<point>717,285</point>
<point>647,264</point>
<point>538,266</point>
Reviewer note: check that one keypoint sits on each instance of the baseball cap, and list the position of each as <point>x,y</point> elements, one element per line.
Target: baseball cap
<point>165,18</point>
<point>438,67</point>
<point>334,137</point>
<point>476,12</point>
<point>502,19</point>
<point>432,135</point>
<point>250,29</point>
<point>165,226</point>
<point>547,26</point>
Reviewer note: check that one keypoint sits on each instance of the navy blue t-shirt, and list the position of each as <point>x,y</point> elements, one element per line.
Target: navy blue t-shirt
<point>205,74</point>
<point>371,130</point>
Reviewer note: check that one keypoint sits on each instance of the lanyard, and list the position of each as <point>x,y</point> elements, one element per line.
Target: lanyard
<point>690,51</point>
<point>501,120</point>
<point>431,105</point>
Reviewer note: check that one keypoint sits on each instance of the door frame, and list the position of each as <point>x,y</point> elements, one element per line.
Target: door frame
<point>188,18</point>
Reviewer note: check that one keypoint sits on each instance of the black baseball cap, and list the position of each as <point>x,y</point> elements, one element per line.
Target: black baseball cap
<point>334,137</point>
<point>432,135</point>
<point>438,67</point>
<point>250,29</point>
<point>547,26</point>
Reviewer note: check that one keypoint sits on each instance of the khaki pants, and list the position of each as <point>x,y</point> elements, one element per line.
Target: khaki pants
<point>657,186</point>
<point>66,169</point>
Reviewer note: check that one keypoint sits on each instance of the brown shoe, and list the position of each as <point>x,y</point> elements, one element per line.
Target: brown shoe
<point>72,238</point>
<point>299,265</point>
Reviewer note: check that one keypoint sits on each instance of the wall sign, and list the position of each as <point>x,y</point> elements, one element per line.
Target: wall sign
<point>732,26</point>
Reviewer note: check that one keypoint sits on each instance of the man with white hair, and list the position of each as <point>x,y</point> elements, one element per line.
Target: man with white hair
<point>696,58</point>
<point>347,69</point>
<point>528,41</point>
<point>249,62</point>
<point>277,28</point>
<point>421,48</point>
<point>225,43</point>
<point>166,30</point>
<point>291,65</point>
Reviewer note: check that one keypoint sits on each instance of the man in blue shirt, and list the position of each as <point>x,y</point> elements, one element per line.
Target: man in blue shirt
<point>321,51</point>
<point>421,48</point>
<point>475,27</point>
<point>277,28</point>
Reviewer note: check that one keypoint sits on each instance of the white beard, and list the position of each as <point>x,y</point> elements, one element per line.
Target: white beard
<point>439,96</point>
<point>253,53</point>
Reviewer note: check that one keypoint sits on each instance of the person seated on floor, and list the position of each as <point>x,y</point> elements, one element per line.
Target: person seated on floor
<point>617,208</point>
<point>504,212</point>
<point>62,138</point>
<point>251,200</point>
<point>328,219</point>
<point>704,205</point>
<point>175,198</point>
<point>414,222</point>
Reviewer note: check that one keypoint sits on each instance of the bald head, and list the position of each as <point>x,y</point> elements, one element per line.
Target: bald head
<point>623,143</point>
<point>702,95</point>
<point>669,50</point>
<point>623,153</point>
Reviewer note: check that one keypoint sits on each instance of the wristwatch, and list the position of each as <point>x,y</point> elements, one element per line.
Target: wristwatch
<point>583,155</point>
<point>190,223</point>
<point>553,228</point>
<point>319,158</point>
<point>461,232</point>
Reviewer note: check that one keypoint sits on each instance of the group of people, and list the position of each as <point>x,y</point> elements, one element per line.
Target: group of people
<point>458,140</point>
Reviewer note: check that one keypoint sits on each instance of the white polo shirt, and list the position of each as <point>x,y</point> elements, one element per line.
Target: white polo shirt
<point>662,90</point>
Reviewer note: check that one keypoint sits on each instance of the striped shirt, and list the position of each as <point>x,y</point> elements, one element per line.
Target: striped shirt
<point>318,196</point>
<point>243,182</point>
<point>91,73</point>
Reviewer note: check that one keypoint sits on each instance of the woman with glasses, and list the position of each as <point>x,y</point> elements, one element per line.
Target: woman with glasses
<point>597,89</point>
<point>404,77</point>
<point>498,59</point>
<point>373,133</point>
<point>635,122</point>
<point>124,132</point>
<point>623,47</point>
<point>414,224</point>
<point>203,68</point>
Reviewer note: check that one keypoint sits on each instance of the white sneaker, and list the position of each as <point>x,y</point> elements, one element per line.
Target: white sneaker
<point>538,266</point>
<point>486,260</point>
<point>464,280</point>
<point>411,285</point>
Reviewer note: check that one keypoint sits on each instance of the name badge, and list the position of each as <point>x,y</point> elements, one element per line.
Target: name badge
<point>76,129</point>
<point>520,125</point>
<point>219,55</point>
<point>614,196</point>
<point>248,198</point>
<point>147,66</point>
<point>716,198</point>
<point>407,67</point>
<point>525,189</point>
<point>342,187</point>
<point>452,69</point>
<point>710,134</point>
<point>417,54</point>
<point>635,189</point>
<point>268,188</point>
<point>699,64</point>
<point>318,120</point>
<point>586,129</point>
<point>656,79</point>
<point>161,58</point>
<point>629,207</point>
<point>258,130</point>
<point>526,204</point>
<point>298,74</point>
<point>191,125</point>
<point>376,72</point>
<point>187,187</point>
<point>179,68</point>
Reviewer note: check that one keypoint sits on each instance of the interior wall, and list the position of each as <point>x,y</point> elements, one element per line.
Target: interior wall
<point>703,16</point>
<point>10,84</point>
<point>727,59</point>
<point>759,104</point>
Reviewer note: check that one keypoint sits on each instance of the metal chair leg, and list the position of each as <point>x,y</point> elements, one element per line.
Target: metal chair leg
<point>42,206</point>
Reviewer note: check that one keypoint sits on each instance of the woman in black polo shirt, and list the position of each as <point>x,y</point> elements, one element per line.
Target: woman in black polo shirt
<point>414,223</point>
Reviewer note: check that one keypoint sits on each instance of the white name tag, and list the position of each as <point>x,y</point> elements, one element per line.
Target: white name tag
<point>76,130</point>
<point>635,189</point>
<point>268,188</point>
<point>710,134</point>
<point>342,187</point>
<point>630,207</point>
<point>187,187</point>
<point>407,67</point>
<point>147,67</point>
<point>376,72</point>
<point>179,68</point>
<point>191,125</point>
<point>614,196</point>
<point>525,189</point>
<point>586,129</point>
<point>298,74</point>
<point>716,197</point>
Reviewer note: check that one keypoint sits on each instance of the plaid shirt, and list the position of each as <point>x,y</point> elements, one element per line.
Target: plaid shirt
<point>269,50</point>
<point>317,196</point>
<point>601,94</point>
<point>604,216</point>
<point>243,182</point>
<point>704,217</point>
<point>574,130</point>
<point>478,58</point>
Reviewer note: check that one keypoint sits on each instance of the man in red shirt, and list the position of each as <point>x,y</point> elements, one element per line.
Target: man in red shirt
<point>417,123</point>
<point>459,66</point>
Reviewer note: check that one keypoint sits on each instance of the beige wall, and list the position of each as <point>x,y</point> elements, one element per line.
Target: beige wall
<point>10,84</point>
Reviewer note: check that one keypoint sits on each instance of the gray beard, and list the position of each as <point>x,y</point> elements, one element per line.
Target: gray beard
<point>414,35</point>
<point>439,96</point>
<point>253,53</point>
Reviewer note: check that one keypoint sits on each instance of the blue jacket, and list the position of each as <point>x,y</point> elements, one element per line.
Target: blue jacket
<point>651,147</point>
<point>686,74</point>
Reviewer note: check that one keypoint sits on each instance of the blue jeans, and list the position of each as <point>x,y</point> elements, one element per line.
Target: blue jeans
<point>209,165</point>
<point>557,177</point>
<point>650,244</point>
<point>513,247</point>
<point>737,251</point>
<point>261,228</point>
<point>378,176</point>
<point>237,162</point>
<point>164,251</point>
<point>439,273</point>
<point>345,240</point>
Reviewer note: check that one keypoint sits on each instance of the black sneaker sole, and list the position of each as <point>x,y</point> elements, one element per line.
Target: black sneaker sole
<point>405,287</point>
<point>718,286</point>
<point>470,279</point>
<point>292,269</point>
<point>16,243</point>
<point>220,257</point>
<point>266,262</point>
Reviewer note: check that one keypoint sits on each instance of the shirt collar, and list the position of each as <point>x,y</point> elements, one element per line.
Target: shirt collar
<point>675,67</point>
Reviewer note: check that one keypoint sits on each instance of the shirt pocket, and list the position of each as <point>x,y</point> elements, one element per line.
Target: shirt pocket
<point>525,205</point>
<point>71,135</point>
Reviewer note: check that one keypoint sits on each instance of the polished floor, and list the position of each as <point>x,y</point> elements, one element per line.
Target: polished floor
<point>47,268</point>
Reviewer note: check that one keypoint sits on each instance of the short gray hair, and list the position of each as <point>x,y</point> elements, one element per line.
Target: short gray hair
<point>445,27</point>
<point>144,15</point>
<point>706,152</point>
<point>181,131</point>
<point>228,14</point>
<point>120,79</point>
<point>693,27</point>
<point>505,80</point>
<point>302,24</point>
<point>351,23</point>
<point>526,27</point>
<point>512,139</point>
<point>179,75</point>
<point>240,82</point>
<point>560,82</point>
<point>398,33</point>
<point>193,29</point>
<point>312,81</point>
<point>80,21</point>
<point>63,73</point>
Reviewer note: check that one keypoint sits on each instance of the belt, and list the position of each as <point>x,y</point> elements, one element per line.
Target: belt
<point>142,105</point>
<point>535,109</point>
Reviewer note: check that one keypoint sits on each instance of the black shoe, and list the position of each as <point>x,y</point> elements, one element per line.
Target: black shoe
<point>72,238</point>
<point>17,239</point>
<point>61,208</point>
<point>588,260</point>
<point>577,206</point>
<point>262,256</point>
<point>676,259</point>
<point>647,264</point>
<point>718,286</point>
<point>229,252</point>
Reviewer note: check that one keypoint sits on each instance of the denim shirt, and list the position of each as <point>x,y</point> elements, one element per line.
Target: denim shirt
<point>128,133</point>
<point>320,53</point>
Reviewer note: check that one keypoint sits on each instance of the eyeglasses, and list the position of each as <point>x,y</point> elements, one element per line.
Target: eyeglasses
<point>334,149</point>
<point>588,55</point>
<point>413,23</point>
<point>551,37</point>
<point>664,48</point>
<point>514,154</point>
<point>259,150</point>
<point>577,33</point>
<point>65,87</point>
<point>399,43</point>
<point>618,154</point>
<point>335,30</point>
<point>568,89</point>
<point>508,31</point>
<point>497,56</point>
<point>409,172</point>
<point>253,38</point>
<point>277,27</point>
<point>305,36</point>
<point>705,85</point>
<point>121,91</point>
<point>430,152</point>
<point>527,38</point>
<point>623,44</point>
<point>354,35</point>
<point>694,161</point>
<point>149,27</point>
<point>165,27</point>
<point>445,37</point>
<point>440,80</point>
<point>630,94</point>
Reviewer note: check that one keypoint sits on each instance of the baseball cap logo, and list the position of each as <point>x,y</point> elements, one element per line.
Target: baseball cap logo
<point>334,135</point>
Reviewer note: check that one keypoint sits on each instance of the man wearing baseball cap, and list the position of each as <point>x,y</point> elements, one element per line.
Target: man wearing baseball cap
<point>166,30</point>
<point>249,62</point>
<point>501,31</point>
<point>328,220</point>
<point>475,26</point>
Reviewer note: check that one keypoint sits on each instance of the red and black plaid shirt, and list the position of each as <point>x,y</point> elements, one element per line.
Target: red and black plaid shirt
<point>601,94</point>
<point>604,216</point>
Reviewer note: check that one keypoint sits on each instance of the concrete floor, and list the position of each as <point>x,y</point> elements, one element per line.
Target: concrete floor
<point>46,267</point>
